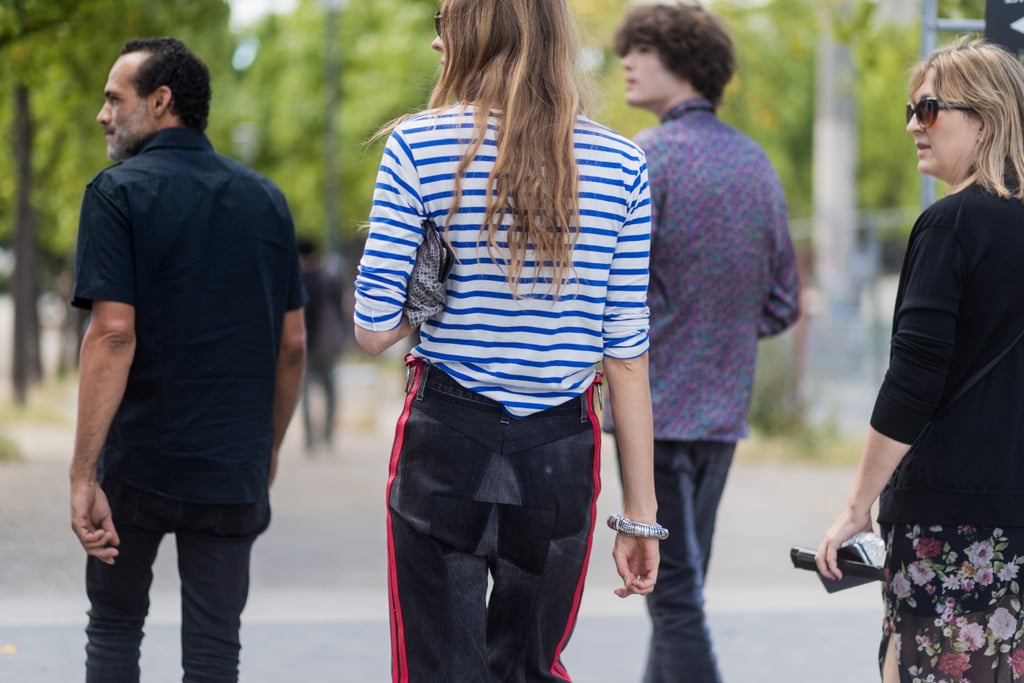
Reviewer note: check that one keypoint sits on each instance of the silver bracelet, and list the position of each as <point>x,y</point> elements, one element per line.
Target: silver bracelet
<point>624,525</point>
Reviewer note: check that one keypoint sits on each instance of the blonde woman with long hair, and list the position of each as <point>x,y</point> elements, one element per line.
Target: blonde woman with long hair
<point>494,473</point>
<point>944,453</point>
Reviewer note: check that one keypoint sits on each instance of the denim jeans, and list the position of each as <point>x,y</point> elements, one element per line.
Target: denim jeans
<point>689,478</point>
<point>213,543</point>
<point>476,494</point>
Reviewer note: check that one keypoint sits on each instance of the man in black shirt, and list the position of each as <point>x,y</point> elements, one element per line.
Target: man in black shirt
<point>190,369</point>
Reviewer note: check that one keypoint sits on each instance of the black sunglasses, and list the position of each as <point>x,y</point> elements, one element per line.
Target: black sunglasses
<point>927,110</point>
<point>437,23</point>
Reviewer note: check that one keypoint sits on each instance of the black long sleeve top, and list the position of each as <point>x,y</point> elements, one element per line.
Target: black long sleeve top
<point>959,304</point>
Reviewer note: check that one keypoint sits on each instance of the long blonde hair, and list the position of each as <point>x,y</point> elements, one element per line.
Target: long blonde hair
<point>990,81</point>
<point>516,59</point>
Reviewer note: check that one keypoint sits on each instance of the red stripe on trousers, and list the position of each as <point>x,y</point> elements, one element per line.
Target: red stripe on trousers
<point>399,660</point>
<point>556,666</point>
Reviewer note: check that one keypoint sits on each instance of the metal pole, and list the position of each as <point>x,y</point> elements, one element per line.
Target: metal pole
<point>332,76</point>
<point>931,25</point>
<point>929,19</point>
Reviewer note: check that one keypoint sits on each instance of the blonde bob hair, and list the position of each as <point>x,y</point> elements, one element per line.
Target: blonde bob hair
<point>989,80</point>
<point>517,60</point>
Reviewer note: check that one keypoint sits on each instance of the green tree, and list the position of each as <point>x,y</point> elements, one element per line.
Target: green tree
<point>386,71</point>
<point>54,57</point>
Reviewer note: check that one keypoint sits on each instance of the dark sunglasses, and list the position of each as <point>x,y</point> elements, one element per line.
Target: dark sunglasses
<point>437,23</point>
<point>927,110</point>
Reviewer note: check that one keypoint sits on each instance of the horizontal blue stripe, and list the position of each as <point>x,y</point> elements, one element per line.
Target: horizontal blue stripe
<point>449,142</point>
<point>629,305</point>
<point>514,329</point>
<point>401,225</point>
<point>502,313</point>
<point>470,277</point>
<point>634,237</point>
<point>361,316</point>
<point>431,161</point>
<point>521,346</point>
<point>399,208</point>
<point>465,125</point>
<point>448,177</point>
<point>377,276</point>
<point>504,360</point>
<point>507,296</point>
<point>592,147</point>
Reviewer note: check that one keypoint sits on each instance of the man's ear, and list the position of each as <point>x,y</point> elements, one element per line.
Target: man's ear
<point>160,101</point>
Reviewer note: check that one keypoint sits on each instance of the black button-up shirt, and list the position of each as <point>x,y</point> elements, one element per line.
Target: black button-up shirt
<point>204,249</point>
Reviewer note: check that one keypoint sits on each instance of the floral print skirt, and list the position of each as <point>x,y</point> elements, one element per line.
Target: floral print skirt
<point>953,603</point>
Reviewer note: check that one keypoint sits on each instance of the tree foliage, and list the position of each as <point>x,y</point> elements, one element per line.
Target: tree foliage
<point>386,71</point>
<point>62,49</point>
<point>64,61</point>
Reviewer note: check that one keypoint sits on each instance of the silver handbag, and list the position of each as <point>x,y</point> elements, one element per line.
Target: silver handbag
<point>427,290</point>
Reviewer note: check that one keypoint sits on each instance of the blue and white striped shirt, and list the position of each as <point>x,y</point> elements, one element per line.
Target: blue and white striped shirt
<point>527,353</point>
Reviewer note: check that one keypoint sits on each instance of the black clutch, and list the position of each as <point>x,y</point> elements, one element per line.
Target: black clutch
<point>853,560</point>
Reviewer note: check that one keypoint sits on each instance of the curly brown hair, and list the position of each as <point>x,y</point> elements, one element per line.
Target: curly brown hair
<point>691,41</point>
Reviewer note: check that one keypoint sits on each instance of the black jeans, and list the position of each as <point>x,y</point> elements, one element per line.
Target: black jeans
<point>476,493</point>
<point>214,544</point>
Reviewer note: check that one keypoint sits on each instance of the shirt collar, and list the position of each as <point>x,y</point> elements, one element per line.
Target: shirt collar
<point>182,138</point>
<point>685,107</point>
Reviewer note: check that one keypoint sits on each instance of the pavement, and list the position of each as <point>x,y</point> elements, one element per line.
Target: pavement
<point>317,610</point>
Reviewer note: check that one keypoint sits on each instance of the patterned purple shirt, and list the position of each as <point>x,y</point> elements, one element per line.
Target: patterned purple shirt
<point>723,272</point>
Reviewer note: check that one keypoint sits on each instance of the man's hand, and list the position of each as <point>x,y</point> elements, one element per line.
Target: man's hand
<point>91,521</point>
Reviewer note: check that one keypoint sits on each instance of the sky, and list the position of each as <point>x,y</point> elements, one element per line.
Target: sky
<point>244,12</point>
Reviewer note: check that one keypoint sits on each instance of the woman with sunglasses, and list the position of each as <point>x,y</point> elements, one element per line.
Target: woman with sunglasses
<point>494,472</point>
<point>945,451</point>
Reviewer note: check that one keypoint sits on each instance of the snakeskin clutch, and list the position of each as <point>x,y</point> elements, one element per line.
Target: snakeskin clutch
<point>427,289</point>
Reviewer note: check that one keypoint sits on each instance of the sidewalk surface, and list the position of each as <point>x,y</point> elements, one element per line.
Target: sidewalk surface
<point>317,610</point>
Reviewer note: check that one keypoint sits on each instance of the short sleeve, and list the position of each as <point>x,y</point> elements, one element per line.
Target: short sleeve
<point>104,260</point>
<point>297,295</point>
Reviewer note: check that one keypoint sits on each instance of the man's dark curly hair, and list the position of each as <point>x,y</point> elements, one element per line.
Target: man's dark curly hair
<point>692,43</point>
<point>171,63</point>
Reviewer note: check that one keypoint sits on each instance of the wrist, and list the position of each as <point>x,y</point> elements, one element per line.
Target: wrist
<point>647,515</point>
<point>630,527</point>
<point>82,476</point>
<point>858,509</point>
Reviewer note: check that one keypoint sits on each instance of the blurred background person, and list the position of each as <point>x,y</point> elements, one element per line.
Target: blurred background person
<point>723,275</point>
<point>495,466</point>
<point>325,331</point>
<point>944,447</point>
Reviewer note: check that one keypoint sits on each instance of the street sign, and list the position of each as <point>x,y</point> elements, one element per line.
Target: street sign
<point>1004,23</point>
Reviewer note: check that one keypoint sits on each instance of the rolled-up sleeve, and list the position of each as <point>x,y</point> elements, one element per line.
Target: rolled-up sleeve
<point>627,318</point>
<point>394,235</point>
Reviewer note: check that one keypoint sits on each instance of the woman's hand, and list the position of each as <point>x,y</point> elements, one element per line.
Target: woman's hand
<point>850,523</point>
<point>636,560</point>
<point>881,457</point>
